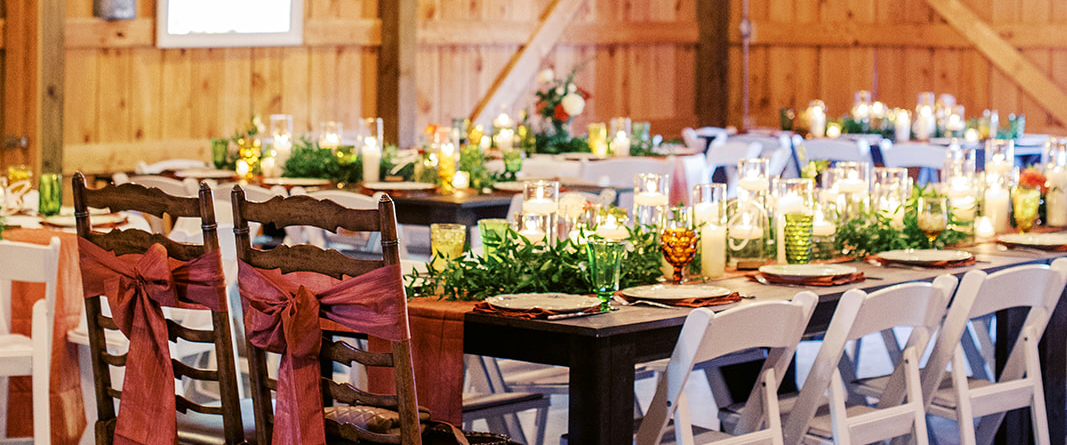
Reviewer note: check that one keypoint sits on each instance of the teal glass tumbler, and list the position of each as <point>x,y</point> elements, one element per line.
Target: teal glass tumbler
<point>492,231</point>
<point>605,262</point>
<point>50,190</point>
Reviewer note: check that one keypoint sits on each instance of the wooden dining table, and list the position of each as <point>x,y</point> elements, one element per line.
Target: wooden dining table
<point>601,351</point>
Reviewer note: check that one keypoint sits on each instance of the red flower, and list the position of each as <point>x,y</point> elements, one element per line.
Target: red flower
<point>1034,179</point>
<point>585,94</point>
<point>560,114</point>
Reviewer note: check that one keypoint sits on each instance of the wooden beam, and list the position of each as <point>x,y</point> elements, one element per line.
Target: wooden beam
<point>3,26</point>
<point>21,101</point>
<point>522,67</point>
<point>450,32</point>
<point>1004,56</point>
<point>396,92</point>
<point>712,62</point>
<point>922,35</point>
<point>341,32</point>
<point>51,72</point>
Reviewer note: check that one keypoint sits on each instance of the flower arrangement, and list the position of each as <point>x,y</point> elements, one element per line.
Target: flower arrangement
<point>558,102</point>
<point>1033,178</point>
<point>228,151</point>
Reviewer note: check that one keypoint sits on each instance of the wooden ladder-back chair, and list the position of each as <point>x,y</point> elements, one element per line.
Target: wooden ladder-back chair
<point>191,279</point>
<point>707,335</point>
<point>324,271</point>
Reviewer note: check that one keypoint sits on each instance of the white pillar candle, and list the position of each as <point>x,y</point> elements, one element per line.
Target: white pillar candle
<point>266,166</point>
<point>817,121</point>
<point>705,212</point>
<point>372,159</point>
<point>283,148</point>
<point>823,228</point>
<point>925,123</point>
<point>997,206</point>
<point>541,206</point>
<point>611,229</point>
<point>461,180</point>
<point>754,183</point>
<point>650,199</point>
<point>851,185</point>
<point>712,250</point>
<point>534,235</point>
<point>1056,198</point>
<point>902,126</point>
<point>620,146</point>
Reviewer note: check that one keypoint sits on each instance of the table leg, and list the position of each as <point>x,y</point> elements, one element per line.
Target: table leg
<point>601,391</point>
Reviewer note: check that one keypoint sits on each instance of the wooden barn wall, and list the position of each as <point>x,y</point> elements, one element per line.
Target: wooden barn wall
<point>826,49</point>
<point>127,100</point>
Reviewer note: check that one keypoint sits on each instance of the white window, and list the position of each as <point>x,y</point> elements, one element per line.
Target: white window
<point>224,23</point>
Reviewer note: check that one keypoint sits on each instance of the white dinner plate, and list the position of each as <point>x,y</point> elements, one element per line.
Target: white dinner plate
<point>303,182</point>
<point>205,173</point>
<point>548,301</point>
<point>807,270</point>
<point>405,185</point>
<point>65,210</point>
<point>510,186</point>
<point>675,291</point>
<point>1034,239</point>
<point>924,255</point>
<point>97,220</point>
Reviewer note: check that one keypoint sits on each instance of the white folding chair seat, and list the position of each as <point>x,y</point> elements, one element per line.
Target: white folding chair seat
<point>707,335</point>
<point>918,305</point>
<point>29,356</point>
<point>833,150</point>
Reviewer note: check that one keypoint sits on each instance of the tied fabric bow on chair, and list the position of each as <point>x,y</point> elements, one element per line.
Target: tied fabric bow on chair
<point>282,316</point>
<point>137,286</point>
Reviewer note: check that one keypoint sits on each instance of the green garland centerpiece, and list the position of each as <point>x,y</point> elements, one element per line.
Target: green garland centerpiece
<point>873,232</point>
<point>517,266</point>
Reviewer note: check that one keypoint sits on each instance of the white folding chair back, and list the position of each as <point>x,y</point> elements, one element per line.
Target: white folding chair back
<point>915,154</point>
<point>19,354</point>
<point>620,172</point>
<point>1037,287</point>
<point>144,168</point>
<point>727,155</point>
<point>834,150</point>
<point>707,335</point>
<point>917,305</point>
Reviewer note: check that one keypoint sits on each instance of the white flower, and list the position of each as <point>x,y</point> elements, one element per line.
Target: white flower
<point>572,87</point>
<point>560,90</point>
<point>573,104</point>
<point>546,75</point>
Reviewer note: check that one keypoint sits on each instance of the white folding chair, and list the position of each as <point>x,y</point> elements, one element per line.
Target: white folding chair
<point>1036,287</point>
<point>727,155</point>
<point>707,335</point>
<point>915,154</point>
<point>917,305</point>
<point>858,150</point>
<point>19,354</point>
<point>144,168</point>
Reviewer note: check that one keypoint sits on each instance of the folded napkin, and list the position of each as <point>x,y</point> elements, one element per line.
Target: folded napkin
<point>693,302</point>
<point>528,314</point>
<point>833,280</point>
<point>875,259</point>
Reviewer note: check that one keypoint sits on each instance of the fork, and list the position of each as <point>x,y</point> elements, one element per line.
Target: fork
<point>623,302</point>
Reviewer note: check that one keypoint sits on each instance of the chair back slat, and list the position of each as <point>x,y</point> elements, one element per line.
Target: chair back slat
<point>303,210</point>
<point>153,201</point>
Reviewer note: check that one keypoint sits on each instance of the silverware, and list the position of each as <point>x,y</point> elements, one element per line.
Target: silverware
<point>623,302</point>
<point>763,280</point>
<point>577,314</point>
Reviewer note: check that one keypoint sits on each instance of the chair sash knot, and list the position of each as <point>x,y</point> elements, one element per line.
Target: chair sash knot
<point>282,315</point>
<point>137,286</point>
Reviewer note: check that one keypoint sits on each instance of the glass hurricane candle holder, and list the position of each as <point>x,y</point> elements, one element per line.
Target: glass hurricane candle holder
<point>1056,174</point>
<point>651,192</point>
<point>330,135</point>
<point>598,139</point>
<point>852,181</point>
<point>794,220</point>
<point>824,227</point>
<point>999,156</point>
<point>534,227</point>
<point>709,214</point>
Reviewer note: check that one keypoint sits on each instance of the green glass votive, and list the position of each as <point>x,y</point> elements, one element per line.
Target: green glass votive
<point>50,190</point>
<point>605,262</point>
<point>798,238</point>
<point>493,231</point>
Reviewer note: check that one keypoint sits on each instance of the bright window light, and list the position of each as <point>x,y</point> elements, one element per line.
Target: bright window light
<point>224,23</point>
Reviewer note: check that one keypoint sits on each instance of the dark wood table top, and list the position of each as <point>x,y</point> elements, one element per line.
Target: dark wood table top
<point>610,344</point>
